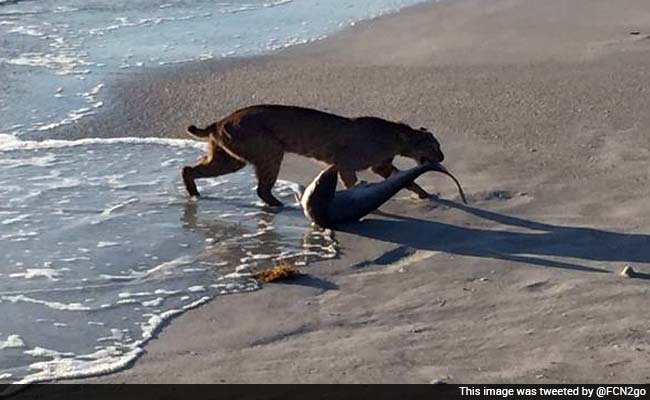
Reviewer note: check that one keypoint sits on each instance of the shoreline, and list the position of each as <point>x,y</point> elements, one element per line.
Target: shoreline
<point>547,137</point>
<point>118,106</point>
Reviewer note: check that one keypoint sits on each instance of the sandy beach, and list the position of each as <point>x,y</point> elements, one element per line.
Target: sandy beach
<point>542,111</point>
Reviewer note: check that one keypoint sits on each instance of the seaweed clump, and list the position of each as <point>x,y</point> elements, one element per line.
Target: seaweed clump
<point>280,271</point>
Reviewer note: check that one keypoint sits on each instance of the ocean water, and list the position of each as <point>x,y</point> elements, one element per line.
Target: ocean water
<point>56,56</point>
<point>100,246</point>
<point>100,243</point>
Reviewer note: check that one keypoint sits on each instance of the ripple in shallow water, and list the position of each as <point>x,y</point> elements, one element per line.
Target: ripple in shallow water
<point>101,245</point>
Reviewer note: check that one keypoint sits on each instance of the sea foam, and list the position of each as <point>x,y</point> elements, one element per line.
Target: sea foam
<point>59,55</point>
<point>91,251</point>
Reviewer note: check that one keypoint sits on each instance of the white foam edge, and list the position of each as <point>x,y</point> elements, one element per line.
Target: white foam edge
<point>12,143</point>
<point>102,362</point>
<point>12,342</point>
<point>71,368</point>
<point>55,305</point>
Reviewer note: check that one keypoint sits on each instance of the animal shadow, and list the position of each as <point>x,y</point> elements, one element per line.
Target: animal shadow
<point>535,244</point>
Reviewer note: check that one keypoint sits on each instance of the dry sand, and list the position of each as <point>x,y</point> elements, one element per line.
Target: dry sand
<point>542,108</point>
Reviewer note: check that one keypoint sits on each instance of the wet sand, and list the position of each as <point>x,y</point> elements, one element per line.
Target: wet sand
<point>542,110</point>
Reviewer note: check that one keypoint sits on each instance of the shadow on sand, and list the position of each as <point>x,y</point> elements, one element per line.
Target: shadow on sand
<point>310,281</point>
<point>533,247</point>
